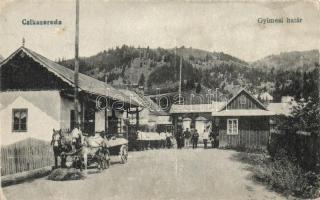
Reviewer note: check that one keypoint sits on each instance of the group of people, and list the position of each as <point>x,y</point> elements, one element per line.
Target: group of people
<point>188,137</point>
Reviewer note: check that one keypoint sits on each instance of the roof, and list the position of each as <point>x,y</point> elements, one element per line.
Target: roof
<point>243,112</point>
<point>243,91</point>
<point>200,118</point>
<point>281,108</point>
<point>196,108</point>
<point>86,83</point>
<point>144,101</point>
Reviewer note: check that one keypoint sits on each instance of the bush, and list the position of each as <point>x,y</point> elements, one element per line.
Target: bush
<point>283,175</point>
<point>286,176</point>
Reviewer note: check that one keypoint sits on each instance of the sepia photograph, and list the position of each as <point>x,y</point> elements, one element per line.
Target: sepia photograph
<point>159,100</point>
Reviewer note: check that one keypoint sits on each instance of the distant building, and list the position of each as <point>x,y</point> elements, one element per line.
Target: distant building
<point>196,116</point>
<point>287,99</point>
<point>151,116</point>
<point>242,121</point>
<point>266,97</point>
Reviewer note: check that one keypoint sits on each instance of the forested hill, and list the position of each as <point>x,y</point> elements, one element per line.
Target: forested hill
<point>198,54</point>
<point>292,61</point>
<point>159,68</point>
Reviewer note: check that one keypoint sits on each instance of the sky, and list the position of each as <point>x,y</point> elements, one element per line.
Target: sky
<point>229,27</point>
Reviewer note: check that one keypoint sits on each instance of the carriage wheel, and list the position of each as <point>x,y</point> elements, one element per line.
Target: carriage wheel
<point>107,160</point>
<point>123,154</point>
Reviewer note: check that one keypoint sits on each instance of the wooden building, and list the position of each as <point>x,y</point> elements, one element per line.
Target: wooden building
<point>242,122</point>
<point>37,95</point>
<point>197,116</point>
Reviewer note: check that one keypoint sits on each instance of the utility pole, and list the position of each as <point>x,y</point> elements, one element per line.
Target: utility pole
<point>180,79</point>
<point>106,108</point>
<point>76,67</point>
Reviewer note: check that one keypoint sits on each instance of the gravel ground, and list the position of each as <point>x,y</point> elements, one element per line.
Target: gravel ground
<point>156,174</point>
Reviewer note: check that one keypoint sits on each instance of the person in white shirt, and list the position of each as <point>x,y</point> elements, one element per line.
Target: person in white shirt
<point>163,139</point>
<point>77,137</point>
<point>205,137</point>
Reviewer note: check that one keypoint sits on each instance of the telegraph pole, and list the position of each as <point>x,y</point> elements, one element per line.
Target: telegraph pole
<point>106,109</point>
<point>180,79</point>
<point>76,67</point>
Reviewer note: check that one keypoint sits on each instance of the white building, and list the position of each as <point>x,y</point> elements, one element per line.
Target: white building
<point>37,96</point>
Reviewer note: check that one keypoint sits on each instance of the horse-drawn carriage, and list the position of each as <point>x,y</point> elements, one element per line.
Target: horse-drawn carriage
<point>85,151</point>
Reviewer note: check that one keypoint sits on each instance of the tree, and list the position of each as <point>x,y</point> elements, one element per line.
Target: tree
<point>141,80</point>
<point>302,148</point>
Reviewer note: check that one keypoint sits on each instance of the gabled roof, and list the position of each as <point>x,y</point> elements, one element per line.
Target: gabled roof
<point>246,92</point>
<point>86,83</point>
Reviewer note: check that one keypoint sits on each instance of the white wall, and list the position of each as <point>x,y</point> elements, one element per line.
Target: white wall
<point>186,124</point>
<point>200,125</point>
<point>144,117</point>
<point>99,121</point>
<point>164,119</point>
<point>65,109</point>
<point>43,114</point>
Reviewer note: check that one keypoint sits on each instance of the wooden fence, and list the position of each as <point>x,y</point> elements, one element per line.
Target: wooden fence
<point>26,155</point>
<point>249,139</point>
<point>305,148</point>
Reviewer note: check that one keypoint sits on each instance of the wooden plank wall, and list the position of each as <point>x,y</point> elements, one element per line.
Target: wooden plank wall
<point>249,139</point>
<point>249,104</point>
<point>26,155</point>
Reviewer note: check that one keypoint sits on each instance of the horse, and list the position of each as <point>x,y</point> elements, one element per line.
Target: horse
<point>94,148</point>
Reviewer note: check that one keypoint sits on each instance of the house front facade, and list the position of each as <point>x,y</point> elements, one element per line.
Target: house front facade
<point>241,122</point>
<point>37,95</point>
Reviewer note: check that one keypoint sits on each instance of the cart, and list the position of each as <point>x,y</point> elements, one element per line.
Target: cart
<point>118,147</point>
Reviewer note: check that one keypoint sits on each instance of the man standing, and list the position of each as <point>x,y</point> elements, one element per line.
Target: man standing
<point>212,139</point>
<point>168,140</point>
<point>178,138</point>
<point>77,137</point>
<point>195,137</point>
<point>187,138</point>
<point>205,138</point>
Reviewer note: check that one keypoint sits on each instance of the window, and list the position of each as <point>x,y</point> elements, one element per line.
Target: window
<point>232,127</point>
<point>19,117</point>
<point>243,100</point>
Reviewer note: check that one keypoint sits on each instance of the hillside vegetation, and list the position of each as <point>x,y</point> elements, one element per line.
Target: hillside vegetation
<point>292,61</point>
<point>159,68</point>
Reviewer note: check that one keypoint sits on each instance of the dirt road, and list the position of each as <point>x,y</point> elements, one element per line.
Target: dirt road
<point>154,175</point>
